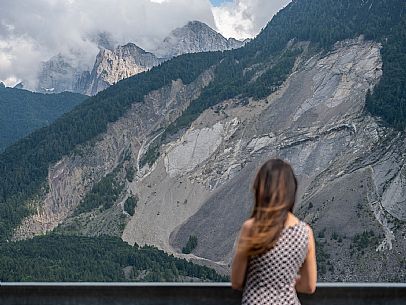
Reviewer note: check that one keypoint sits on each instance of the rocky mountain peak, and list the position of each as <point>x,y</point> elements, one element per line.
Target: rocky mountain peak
<point>114,63</point>
<point>197,26</point>
<point>112,66</point>
<point>131,48</point>
<point>57,75</point>
<point>194,37</point>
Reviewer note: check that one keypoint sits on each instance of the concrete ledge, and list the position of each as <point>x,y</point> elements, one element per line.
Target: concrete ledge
<point>187,293</point>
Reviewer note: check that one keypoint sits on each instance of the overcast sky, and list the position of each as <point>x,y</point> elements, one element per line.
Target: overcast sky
<point>32,31</point>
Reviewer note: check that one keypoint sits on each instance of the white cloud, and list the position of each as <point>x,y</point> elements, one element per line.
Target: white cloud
<point>32,31</point>
<point>244,18</point>
<point>16,57</point>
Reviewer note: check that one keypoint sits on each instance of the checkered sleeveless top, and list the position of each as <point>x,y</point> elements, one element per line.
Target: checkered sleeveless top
<point>271,276</point>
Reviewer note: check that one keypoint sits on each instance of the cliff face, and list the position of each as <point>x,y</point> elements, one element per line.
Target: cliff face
<point>125,61</point>
<point>194,37</point>
<point>73,176</point>
<point>350,169</point>
<point>58,75</point>
<point>112,66</point>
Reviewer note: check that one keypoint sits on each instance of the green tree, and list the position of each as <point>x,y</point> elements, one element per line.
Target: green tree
<point>190,245</point>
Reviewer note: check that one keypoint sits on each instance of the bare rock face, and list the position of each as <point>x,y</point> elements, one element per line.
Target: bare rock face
<point>351,169</point>
<point>195,147</point>
<point>194,37</point>
<point>64,73</point>
<point>125,61</point>
<point>112,66</point>
<point>58,74</point>
<point>73,176</point>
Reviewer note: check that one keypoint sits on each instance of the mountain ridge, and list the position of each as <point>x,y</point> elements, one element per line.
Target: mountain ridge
<point>299,91</point>
<point>194,37</point>
<point>22,111</point>
<point>113,64</point>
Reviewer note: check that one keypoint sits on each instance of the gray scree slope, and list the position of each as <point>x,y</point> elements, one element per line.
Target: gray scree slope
<point>351,169</point>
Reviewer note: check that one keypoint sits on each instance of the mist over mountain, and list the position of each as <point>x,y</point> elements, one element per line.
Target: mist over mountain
<point>36,30</point>
<point>194,37</point>
<point>71,73</point>
<point>113,64</point>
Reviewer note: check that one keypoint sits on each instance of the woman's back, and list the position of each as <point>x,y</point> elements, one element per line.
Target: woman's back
<point>271,276</point>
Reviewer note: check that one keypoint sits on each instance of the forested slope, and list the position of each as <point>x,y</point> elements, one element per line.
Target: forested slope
<point>23,167</point>
<point>73,258</point>
<point>251,72</point>
<point>22,111</point>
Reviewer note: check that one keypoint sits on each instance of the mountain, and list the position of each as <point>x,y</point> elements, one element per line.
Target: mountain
<point>62,73</point>
<point>104,40</point>
<point>167,157</point>
<point>112,66</point>
<point>20,85</point>
<point>58,75</point>
<point>22,111</point>
<point>194,37</point>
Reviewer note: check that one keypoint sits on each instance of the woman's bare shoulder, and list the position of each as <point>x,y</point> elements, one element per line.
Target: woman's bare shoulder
<point>249,223</point>
<point>291,220</point>
<point>247,226</point>
<point>310,230</point>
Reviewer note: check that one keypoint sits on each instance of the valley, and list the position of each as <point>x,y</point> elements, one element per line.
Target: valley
<point>168,156</point>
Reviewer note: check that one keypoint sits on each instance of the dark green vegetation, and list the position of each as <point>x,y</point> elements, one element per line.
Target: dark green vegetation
<point>364,240</point>
<point>152,153</point>
<point>72,258</point>
<point>22,111</point>
<point>255,70</point>
<point>233,80</point>
<point>130,204</point>
<point>389,97</point>
<point>190,245</point>
<point>104,194</point>
<point>327,21</point>
<point>322,257</point>
<point>323,23</point>
<point>130,173</point>
<point>24,165</point>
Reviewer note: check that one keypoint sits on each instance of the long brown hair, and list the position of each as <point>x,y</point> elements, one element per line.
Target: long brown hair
<point>275,191</point>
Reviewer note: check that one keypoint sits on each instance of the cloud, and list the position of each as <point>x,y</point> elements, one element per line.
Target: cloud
<point>32,31</point>
<point>16,58</point>
<point>244,18</point>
